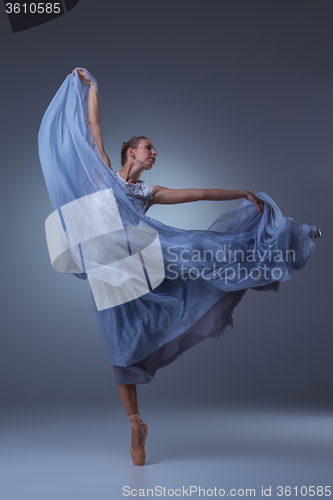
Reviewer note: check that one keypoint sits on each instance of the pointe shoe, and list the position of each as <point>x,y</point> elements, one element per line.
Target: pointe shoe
<point>318,234</point>
<point>139,456</point>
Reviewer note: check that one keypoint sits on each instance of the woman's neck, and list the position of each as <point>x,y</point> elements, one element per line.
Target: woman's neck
<point>131,174</point>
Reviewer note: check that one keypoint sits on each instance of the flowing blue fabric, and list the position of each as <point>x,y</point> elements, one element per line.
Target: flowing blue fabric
<point>206,272</point>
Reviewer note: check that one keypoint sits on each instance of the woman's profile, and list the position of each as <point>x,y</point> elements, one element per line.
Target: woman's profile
<point>207,273</point>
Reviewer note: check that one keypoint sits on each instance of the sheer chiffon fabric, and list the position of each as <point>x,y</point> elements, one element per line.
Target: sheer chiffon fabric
<point>207,272</point>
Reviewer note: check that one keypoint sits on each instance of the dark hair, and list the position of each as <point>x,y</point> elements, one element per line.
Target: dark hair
<point>131,143</point>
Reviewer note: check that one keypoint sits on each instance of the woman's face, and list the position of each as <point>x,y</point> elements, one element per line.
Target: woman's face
<point>145,153</point>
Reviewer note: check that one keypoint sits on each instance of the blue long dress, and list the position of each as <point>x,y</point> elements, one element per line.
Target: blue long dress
<point>205,273</point>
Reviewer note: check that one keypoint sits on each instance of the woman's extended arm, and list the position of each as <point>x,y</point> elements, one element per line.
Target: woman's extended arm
<point>94,115</point>
<point>162,195</point>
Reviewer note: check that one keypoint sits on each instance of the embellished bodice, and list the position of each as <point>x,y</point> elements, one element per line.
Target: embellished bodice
<point>142,191</point>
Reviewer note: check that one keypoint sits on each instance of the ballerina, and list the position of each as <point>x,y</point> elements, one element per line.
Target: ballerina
<point>191,310</point>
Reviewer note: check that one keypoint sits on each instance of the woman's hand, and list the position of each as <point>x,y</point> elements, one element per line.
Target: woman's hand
<point>259,203</point>
<point>83,77</point>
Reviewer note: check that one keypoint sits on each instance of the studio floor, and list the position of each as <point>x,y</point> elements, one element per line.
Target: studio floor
<point>84,454</point>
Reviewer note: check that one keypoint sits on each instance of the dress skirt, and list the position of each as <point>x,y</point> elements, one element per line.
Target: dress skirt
<point>213,324</point>
<point>182,312</point>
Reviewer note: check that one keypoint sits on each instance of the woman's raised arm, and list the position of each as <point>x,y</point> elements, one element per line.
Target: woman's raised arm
<point>165,196</point>
<point>94,115</point>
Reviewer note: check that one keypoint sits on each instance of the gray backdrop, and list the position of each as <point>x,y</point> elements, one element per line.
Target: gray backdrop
<point>236,95</point>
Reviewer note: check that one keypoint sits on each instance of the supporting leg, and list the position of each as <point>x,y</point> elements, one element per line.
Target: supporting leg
<point>129,397</point>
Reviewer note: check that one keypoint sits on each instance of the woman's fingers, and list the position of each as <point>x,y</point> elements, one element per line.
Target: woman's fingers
<point>261,205</point>
<point>80,71</point>
<point>83,77</point>
<point>258,202</point>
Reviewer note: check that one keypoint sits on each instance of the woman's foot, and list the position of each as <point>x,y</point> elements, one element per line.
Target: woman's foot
<point>139,434</point>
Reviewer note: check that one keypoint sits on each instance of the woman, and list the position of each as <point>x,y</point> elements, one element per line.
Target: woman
<point>151,331</point>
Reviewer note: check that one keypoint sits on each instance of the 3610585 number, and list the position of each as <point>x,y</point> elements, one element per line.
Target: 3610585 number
<point>33,8</point>
<point>304,491</point>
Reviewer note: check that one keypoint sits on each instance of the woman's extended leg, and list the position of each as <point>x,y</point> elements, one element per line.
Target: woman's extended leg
<point>129,397</point>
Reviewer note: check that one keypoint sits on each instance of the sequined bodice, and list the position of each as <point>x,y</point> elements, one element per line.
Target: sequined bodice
<point>142,191</point>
